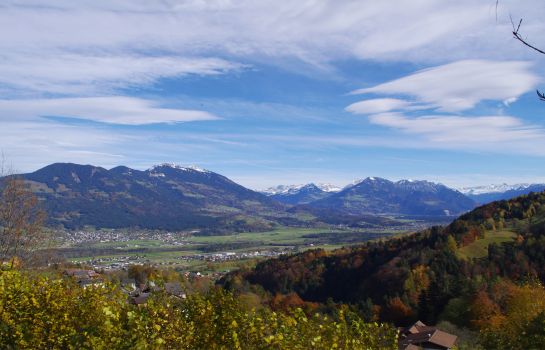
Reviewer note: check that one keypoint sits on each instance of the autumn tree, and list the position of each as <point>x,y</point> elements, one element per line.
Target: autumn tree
<point>21,222</point>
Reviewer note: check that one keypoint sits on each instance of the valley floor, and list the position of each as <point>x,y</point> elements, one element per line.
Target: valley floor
<point>189,251</point>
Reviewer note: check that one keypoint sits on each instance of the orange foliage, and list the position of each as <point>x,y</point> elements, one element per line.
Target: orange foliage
<point>397,312</point>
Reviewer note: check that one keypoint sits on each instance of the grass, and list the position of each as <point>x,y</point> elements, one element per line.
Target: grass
<point>479,248</point>
<point>299,239</point>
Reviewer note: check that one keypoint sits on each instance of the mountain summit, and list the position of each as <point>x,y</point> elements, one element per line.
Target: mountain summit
<point>166,196</point>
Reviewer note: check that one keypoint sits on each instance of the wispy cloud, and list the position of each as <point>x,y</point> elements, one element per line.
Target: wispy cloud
<point>90,74</point>
<point>491,133</point>
<point>111,109</point>
<point>453,89</point>
<point>81,47</point>
<point>381,105</point>
<point>461,85</point>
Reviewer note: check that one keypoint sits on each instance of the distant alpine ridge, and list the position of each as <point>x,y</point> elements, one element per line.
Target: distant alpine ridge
<point>300,194</point>
<point>375,195</point>
<point>378,196</point>
<point>292,189</point>
<point>490,193</point>
<point>174,197</point>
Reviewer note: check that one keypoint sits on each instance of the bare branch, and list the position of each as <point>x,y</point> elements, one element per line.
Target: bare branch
<point>541,95</point>
<point>517,36</point>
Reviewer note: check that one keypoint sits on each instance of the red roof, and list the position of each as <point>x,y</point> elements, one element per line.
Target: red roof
<point>420,334</point>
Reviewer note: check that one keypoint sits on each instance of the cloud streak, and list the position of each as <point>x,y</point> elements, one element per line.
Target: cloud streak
<point>432,102</point>
<point>80,47</point>
<point>110,109</point>
<point>462,85</point>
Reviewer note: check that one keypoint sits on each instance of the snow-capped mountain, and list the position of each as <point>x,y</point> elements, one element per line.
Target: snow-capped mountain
<point>476,190</point>
<point>328,187</point>
<point>300,194</point>
<point>179,167</point>
<point>294,189</point>
<point>490,193</point>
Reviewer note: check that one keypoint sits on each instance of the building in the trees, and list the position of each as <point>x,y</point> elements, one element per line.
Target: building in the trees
<point>422,337</point>
<point>84,277</point>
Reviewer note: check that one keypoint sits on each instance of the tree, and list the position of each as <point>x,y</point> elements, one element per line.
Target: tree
<point>21,222</point>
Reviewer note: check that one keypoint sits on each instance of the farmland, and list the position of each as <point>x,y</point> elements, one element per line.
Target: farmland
<point>479,248</point>
<point>111,249</point>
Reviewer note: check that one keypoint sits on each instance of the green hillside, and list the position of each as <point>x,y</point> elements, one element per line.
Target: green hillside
<point>479,248</point>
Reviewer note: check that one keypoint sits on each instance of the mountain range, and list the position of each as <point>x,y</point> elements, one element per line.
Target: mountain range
<point>174,197</point>
<point>301,194</point>
<point>164,197</point>
<point>380,196</point>
<point>490,193</point>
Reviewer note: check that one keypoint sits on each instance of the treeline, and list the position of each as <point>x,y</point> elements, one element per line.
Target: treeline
<point>421,276</point>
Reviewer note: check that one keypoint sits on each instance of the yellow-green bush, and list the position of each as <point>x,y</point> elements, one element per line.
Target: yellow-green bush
<point>38,312</point>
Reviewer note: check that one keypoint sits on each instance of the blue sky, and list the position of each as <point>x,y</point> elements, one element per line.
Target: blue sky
<point>272,92</point>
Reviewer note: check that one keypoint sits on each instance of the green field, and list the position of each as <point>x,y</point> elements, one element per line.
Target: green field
<point>479,248</point>
<point>187,252</point>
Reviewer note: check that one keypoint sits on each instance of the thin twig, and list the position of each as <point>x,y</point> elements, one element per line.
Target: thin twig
<point>519,38</point>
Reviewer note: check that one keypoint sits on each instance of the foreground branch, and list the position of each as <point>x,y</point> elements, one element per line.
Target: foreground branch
<point>517,36</point>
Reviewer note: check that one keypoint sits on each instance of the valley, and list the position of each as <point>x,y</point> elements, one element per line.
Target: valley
<point>188,251</point>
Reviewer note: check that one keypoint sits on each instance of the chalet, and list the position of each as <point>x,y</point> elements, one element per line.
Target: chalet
<point>84,277</point>
<point>140,294</point>
<point>421,337</point>
<point>174,289</point>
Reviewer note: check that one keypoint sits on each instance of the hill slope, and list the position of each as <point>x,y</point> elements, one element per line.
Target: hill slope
<point>164,197</point>
<point>417,276</point>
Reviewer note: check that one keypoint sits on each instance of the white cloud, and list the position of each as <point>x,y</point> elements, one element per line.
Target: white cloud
<point>110,109</point>
<point>453,88</point>
<point>77,74</point>
<point>82,47</point>
<point>487,133</point>
<point>379,105</point>
<point>461,85</point>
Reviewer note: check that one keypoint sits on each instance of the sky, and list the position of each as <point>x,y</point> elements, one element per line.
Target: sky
<point>277,92</point>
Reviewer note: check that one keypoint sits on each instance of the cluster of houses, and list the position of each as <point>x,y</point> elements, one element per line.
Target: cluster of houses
<point>137,295</point>
<point>415,337</point>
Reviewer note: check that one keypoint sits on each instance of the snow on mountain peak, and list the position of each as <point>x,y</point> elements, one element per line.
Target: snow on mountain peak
<point>326,187</point>
<point>179,167</point>
<point>494,188</point>
<point>293,189</point>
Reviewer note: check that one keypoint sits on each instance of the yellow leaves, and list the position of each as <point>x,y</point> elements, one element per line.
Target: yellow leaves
<point>106,310</point>
<point>44,313</point>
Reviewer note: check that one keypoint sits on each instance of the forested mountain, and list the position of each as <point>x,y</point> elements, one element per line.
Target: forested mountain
<point>429,275</point>
<point>165,196</point>
<point>375,195</point>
